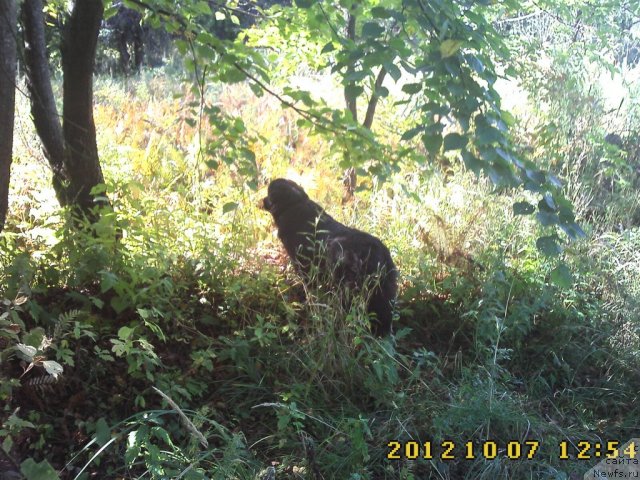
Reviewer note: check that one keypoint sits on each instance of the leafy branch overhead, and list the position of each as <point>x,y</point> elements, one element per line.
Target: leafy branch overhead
<point>443,56</point>
<point>442,59</point>
<point>446,56</point>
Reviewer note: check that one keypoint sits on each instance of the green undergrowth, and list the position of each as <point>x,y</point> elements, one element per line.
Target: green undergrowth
<point>182,287</point>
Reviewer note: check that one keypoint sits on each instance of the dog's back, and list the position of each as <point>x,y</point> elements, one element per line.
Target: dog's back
<point>357,259</point>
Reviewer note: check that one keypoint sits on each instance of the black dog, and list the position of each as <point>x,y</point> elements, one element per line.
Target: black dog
<point>356,259</point>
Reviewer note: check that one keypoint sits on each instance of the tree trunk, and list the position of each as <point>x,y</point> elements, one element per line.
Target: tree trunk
<point>71,146</point>
<point>43,104</point>
<point>78,58</point>
<point>8,24</point>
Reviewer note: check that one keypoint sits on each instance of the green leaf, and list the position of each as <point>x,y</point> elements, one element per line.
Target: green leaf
<point>432,142</point>
<point>125,332</point>
<point>329,47</point>
<point>103,432</point>
<point>304,3</point>
<point>411,88</point>
<point>38,471</point>
<point>536,176</point>
<point>353,91</point>
<point>229,207</point>
<point>472,162</point>
<point>549,246</point>
<point>34,337</point>
<point>561,276</point>
<point>381,12</point>
<point>53,368</point>
<point>110,12</point>
<point>450,47</point>
<point>119,304</point>
<point>357,76</point>
<point>409,134</point>
<point>487,135</point>
<point>372,29</point>
<point>202,7</point>
<point>455,141</point>
<point>26,352</point>
<point>475,63</point>
<point>573,230</point>
<point>547,204</point>
<point>523,208</point>
<point>393,70</point>
<point>547,219</point>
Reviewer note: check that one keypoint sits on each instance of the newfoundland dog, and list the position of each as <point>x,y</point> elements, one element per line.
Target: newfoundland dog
<point>353,259</point>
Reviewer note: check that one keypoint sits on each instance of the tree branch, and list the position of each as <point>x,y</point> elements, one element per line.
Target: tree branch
<point>373,101</point>
<point>352,102</point>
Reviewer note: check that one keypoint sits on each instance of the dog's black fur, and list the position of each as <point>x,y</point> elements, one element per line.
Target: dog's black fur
<point>355,258</point>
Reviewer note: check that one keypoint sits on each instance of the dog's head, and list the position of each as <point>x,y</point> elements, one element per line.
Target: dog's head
<point>281,194</point>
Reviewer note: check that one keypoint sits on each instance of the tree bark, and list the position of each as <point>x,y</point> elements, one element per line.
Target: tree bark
<point>78,58</point>
<point>8,27</point>
<point>352,103</point>
<point>373,101</point>
<point>70,146</point>
<point>43,104</point>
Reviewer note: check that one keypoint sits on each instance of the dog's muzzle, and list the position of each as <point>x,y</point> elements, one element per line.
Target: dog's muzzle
<point>266,204</point>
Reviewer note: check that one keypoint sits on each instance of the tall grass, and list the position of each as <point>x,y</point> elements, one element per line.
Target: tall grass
<point>199,300</point>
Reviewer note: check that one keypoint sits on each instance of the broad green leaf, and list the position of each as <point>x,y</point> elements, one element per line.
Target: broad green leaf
<point>26,352</point>
<point>573,230</point>
<point>229,207</point>
<point>381,12</point>
<point>536,176</point>
<point>372,29</point>
<point>432,142</point>
<point>382,92</point>
<point>472,162</point>
<point>119,303</point>
<point>561,276</point>
<point>412,88</point>
<point>455,141</point>
<point>356,76</point>
<point>103,432</point>
<point>353,91</point>
<point>409,134</point>
<point>523,208</point>
<point>393,71</point>
<point>220,16</point>
<point>475,63</point>
<point>329,47</point>
<point>125,332</point>
<point>34,337</point>
<point>202,7</point>
<point>53,368</point>
<point>549,245</point>
<point>110,12</point>
<point>547,204</point>
<point>487,135</point>
<point>555,181</point>
<point>38,471</point>
<point>547,219</point>
<point>450,47</point>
